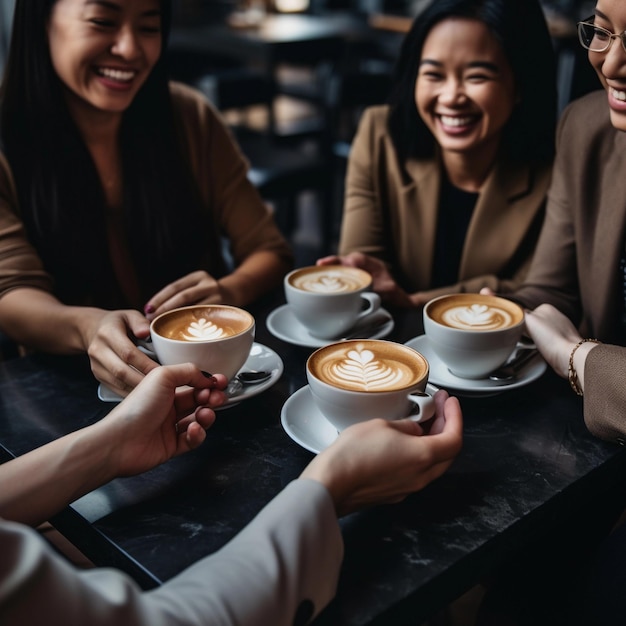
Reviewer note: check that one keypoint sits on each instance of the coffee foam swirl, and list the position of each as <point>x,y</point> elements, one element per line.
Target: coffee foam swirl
<point>203,330</point>
<point>328,283</point>
<point>361,370</point>
<point>477,317</point>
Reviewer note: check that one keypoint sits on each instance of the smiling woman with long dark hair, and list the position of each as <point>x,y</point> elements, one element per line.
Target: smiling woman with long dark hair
<point>446,184</point>
<point>117,187</point>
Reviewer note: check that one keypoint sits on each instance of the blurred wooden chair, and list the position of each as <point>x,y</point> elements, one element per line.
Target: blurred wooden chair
<point>6,22</point>
<point>347,95</point>
<point>281,172</point>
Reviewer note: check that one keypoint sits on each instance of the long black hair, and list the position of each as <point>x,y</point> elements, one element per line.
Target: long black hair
<point>520,28</point>
<point>61,199</point>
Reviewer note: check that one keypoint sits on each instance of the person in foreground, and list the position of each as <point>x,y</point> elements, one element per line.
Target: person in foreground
<point>117,188</point>
<point>445,188</point>
<point>287,559</point>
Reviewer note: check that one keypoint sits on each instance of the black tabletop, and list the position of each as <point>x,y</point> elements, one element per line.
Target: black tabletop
<point>527,468</point>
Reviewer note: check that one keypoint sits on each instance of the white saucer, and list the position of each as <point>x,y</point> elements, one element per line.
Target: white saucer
<point>261,358</point>
<point>304,423</point>
<point>282,323</point>
<point>441,376</point>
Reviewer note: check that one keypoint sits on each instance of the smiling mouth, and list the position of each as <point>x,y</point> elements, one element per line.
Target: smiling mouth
<point>120,76</point>
<point>457,121</point>
<point>618,94</point>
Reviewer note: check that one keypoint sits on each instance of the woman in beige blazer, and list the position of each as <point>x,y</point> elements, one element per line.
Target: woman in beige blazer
<point>578,274</point>
<point>445,188</point>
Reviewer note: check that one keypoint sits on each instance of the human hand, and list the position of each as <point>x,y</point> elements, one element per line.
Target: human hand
<point>554,335</point>
<point>160,419</point>
<point>115,359</point>
<point>195,288</point>
<point>380,461</point>
<point>383,282</point>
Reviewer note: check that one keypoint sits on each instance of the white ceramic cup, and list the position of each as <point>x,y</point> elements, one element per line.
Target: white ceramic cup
<point>471,333</point>
<point>362,379</point>
<point>215,337</point>
<point>328,300</point>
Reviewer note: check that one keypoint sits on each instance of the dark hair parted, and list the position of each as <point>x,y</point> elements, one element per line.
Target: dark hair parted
<point>61,199</point>
<point>520,28</point>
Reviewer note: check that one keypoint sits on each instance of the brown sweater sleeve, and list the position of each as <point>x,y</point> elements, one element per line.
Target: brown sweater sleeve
<point>20,266</point>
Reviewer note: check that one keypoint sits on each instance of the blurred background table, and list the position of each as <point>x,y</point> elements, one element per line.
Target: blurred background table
<point>528,469</point>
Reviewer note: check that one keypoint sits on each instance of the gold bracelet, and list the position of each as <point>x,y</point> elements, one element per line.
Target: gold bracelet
<point>571,370</point>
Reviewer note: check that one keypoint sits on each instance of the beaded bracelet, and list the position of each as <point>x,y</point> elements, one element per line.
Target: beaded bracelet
<point>571,370</point>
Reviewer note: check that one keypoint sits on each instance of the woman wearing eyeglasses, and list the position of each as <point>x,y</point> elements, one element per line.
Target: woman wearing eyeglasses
<point>577,282</point>
<point>579,269</point>
<point>445,189</point>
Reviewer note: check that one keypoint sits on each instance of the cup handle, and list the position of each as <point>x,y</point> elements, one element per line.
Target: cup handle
<point>373,300</point>
<point>146,346</point>
<point>425,405</point>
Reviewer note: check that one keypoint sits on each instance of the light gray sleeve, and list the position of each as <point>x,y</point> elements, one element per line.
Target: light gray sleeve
<point>285,561</point>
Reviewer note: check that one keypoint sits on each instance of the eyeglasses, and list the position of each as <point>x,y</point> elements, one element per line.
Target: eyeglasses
<point>596,38</point>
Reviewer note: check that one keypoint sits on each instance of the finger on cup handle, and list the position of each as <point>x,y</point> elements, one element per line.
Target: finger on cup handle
<point>425,404</point>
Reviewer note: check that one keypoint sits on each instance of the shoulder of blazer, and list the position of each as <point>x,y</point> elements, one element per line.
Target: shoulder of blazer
<point>518,181</point>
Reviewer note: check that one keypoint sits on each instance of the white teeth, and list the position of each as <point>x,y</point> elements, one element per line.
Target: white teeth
<point>618,95</point>
<point>447,120</point>
<point>116,74</point>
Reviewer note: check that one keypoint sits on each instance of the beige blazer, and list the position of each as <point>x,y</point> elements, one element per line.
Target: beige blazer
<point>390,211</point>
<point>576,265</point>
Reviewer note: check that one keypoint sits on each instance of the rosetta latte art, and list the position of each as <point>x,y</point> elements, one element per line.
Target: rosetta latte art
<point>202,330</point>
<point>477,317</point>
<point>328,283</point>
<point>363,371</point>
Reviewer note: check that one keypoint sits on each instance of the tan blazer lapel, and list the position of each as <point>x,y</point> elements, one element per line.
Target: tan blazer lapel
<point>421,200</point>
<point>600,270</point>
<point>495,234</point>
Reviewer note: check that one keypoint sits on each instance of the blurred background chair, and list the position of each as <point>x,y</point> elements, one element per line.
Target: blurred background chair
<point>6,21</point>
<point>347,95</point>
<point>281,171</point>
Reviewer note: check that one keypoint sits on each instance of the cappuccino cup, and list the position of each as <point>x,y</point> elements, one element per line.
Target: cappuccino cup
<point>215,337</point>
<point>329,300</point>
<point>472,333</point>
<point>362,379</point>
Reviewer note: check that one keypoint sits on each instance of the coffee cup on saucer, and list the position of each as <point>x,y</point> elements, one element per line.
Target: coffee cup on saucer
<point>472,333</point>
<point>215,337</point>
<point>328,300</point>
<point>361,379</point>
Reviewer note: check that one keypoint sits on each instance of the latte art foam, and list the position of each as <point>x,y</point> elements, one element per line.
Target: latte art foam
<point>202,323</point>
<point>477,317</point>
<point>361,370</point>
<point>203,330</point>
<point>328,283</point>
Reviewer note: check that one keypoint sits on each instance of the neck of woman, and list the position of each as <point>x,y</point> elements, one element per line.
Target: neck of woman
<point>468,171</point>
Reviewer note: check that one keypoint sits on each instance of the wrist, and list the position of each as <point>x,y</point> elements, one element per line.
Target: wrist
<point>227,291</point>
<point>85,320</point>
<point>576,365</point>
<point>321,470</point>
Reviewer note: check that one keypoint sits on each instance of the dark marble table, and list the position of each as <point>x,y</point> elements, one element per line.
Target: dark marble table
<point>527,469</point>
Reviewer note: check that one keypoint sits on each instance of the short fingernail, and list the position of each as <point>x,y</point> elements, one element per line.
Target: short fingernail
<point>207,375</point>
<point>148,309</point>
